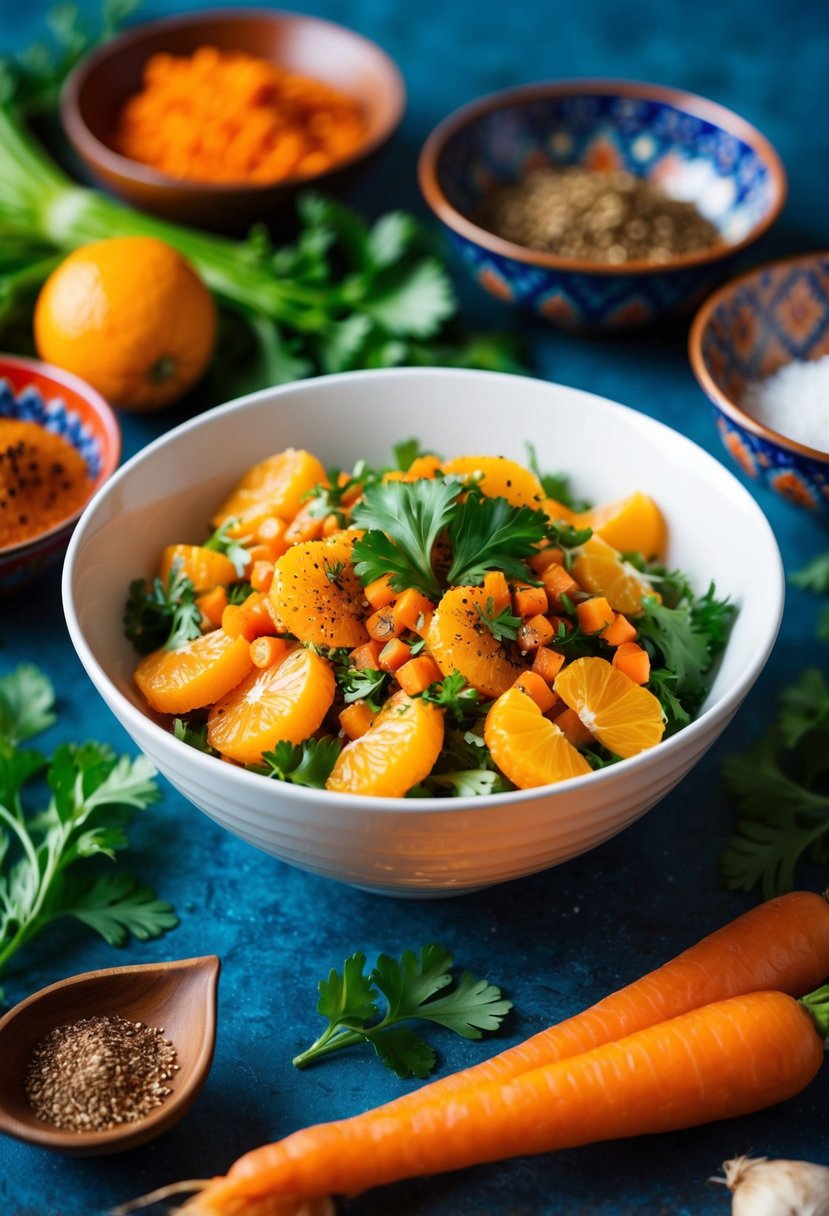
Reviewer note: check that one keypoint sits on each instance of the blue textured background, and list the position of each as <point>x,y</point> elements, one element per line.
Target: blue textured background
<point>557,941</point>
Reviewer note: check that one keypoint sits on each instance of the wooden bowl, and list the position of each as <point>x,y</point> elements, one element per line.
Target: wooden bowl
<point>180,997</point>
<point>99,86</point>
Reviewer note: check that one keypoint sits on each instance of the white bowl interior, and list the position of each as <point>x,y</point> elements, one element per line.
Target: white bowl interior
<point>168,492</point>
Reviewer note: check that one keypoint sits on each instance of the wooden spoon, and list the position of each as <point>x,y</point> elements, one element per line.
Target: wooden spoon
<point>179,997</point>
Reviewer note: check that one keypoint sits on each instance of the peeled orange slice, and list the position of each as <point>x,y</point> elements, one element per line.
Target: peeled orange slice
<point>275,486</point>
<point>599,568</point>
<point>632,525</point>
<point>500,478</point>
<point>625,717</point>
<point>528,748</point>
<point>458,640</point>
<point>195,674</point>
<point>286,701</point>
<point>204,567</point>
<point>315,594</point>
<point>397,751</point>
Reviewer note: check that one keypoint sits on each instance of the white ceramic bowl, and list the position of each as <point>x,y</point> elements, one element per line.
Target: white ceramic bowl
<point>423,846</point>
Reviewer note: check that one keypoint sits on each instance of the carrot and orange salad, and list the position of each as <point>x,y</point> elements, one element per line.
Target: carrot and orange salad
<point>441,628</point>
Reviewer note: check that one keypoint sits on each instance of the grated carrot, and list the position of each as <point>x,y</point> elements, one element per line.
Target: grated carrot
<point>226,116</point>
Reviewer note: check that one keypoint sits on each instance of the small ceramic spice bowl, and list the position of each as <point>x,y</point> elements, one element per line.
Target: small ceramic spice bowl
<point>176,1000</point>
<point>746,335</point>
<point>66,406</point>
<point>693,150</point>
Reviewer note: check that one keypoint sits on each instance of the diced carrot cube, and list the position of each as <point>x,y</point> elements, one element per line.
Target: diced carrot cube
<point>416,675</point>
<point>534,686</point>
<point>303,527</point>
<point>555,709</point>
<point>261,576</point>
<point>547,663</point>
<point>212,603</point>
<point>265,651</point>
<point>571,725</point>
<point>413,611</point>
<point>497,590</point>
<point>535,632</point>
<point>381,625</point>
<point>559,584</point>
<point>355,719</point>
<point>261,552</point>
<point>331,524</point>
<point>594,614</point>
<point>367,655</point>
<point>394,654</point>
<point>619,631</point>
<point>539,561</point>
<point>270,529</point>
<point>634,661</point>
<point>250,619</point>
<point>528,601</point>
<point>380,593</point>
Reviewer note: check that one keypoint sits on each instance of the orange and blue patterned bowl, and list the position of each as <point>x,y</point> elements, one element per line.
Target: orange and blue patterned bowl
<point>694,149</point>
<point>31,391</point>
<point>749,329</point>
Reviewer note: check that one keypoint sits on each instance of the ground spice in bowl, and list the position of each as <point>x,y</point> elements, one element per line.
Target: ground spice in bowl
<point>43,480</point>
<point>99,1072</point>
<point>226,116</point>
<point>609,218</point>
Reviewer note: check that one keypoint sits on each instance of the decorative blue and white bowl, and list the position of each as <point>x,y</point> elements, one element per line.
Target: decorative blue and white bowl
<point>748,330</point>
<point>694,149</point>
<point>59,402</point>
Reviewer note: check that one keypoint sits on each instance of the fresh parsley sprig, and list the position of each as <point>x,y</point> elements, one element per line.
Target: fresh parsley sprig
<point>814,577</point>
<point>232,547</point>
<point>686,639</point>
<point>309,763</point>
<point>349,1000</point>
<point>502,625</point>
<point>454,695</point>
<point>403,522</point>
<point>45,870</point>
<point>491,534</point>
<point>162,612</point>
<point>359,683</point>
<point>779,789</point>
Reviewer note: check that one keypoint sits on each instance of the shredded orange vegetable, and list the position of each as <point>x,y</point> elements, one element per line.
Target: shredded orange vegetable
<point>224,116</point>
<point>43,480</point>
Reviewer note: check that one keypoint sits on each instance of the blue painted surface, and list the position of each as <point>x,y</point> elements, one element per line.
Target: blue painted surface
<point>556,941</point>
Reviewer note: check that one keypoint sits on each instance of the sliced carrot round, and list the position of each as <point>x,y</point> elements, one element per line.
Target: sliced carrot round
<point>632,525</point>
<point>315,594</point>
<point>623,716</point>
<point>275,486</point>
<point>287,701</point>
<point>499,477</point>
<point>206,568</point>
<point>528,748</point>
<point>459,640</point>
<point>599,568</point>
<point>397,751</point>
<point>195,674</point>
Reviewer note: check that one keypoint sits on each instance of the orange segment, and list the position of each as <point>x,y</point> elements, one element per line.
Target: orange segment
<point>195,674</point>
<point>624,717</point>
<point>315,594</point>
<point>599,568</point>
<point>286,701</point>
<point>459,641</point>
<point>500,478</point>
<point>632,525</point>
<point>397,751</point>
<point>528,748</point>
<point>273,487</point>
<point>205,568</point>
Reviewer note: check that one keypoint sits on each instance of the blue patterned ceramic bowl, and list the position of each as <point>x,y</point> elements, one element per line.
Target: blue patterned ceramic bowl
<point>62,403</point>
<point>694,149</point>
<point>749,329</point>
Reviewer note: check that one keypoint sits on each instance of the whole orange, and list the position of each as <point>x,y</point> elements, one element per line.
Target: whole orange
<point>131,317</point>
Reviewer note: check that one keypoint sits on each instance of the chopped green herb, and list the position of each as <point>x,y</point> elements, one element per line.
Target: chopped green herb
<point>162,613</point>
<point>233,548</point>
<point>309,763</point>
<point>502,625</point>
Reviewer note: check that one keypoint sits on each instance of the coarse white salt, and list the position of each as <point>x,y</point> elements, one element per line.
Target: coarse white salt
<point>794,401</point>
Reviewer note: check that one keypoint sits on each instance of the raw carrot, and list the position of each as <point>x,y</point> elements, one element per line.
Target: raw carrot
<point>722,1060</point>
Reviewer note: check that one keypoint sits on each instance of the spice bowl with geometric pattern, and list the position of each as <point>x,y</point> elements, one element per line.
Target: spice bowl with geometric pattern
<point>749,330</point>
<point>64,405</point>
<point>692,149</point>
